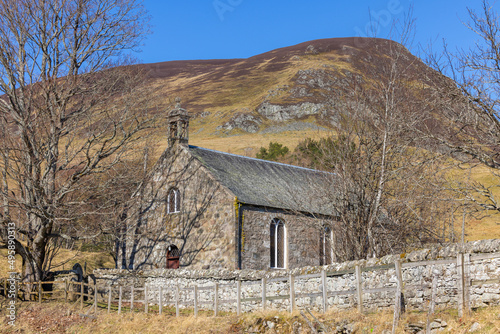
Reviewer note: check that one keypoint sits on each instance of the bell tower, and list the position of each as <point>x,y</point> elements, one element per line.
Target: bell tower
<point>178,124</point>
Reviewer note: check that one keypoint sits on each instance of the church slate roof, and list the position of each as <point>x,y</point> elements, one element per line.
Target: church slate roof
<point>267,183</point>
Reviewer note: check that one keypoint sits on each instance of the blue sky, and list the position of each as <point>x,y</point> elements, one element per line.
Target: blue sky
<point>210,29</point>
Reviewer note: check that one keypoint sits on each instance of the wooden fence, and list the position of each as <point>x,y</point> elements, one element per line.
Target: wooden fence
<point>113,298</point>
<point>45,291</point>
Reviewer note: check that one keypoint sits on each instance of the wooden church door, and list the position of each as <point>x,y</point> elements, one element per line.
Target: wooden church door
<point>173,256</point>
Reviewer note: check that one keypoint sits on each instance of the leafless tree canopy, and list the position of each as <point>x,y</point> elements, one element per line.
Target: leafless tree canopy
<point>58,127</point>
<point>469,107</point>
<point>387,189</point>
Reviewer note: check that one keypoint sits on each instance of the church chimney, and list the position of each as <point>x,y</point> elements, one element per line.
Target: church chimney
<point>178,124</point>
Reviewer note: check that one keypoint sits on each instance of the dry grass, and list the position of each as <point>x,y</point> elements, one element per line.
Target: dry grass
<point>484,224</point>
<point>4,264</point>
<point>249,144</point>
<point>55,318</point>
<point>64,260</point>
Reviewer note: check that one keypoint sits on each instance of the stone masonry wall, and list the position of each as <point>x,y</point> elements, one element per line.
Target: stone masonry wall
<point>302,239</point>
<point>418,270</point>
<point>203,229</point>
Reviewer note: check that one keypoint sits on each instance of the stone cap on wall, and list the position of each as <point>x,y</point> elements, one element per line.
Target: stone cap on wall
<point>445,251</point>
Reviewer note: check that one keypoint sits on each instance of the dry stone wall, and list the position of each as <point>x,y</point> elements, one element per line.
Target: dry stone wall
<point>378,281</point>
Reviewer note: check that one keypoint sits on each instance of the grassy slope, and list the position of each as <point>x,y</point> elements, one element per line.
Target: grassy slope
<point>486,224</point>
<point>64,260</point>
<point>249,144</point>
<point>55,318</point>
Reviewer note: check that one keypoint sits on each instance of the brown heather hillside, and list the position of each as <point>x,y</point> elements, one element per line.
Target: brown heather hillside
<point>285,95</point>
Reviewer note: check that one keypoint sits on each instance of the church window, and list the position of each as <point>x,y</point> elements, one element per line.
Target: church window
<point>278,244</point>
<point>173,201</point>
<point>325,246</point>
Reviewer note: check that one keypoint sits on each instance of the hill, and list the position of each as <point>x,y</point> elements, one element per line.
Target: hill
<point>285,95</point>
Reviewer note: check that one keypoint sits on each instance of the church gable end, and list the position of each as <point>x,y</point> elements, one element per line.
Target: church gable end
<point>180,205</point>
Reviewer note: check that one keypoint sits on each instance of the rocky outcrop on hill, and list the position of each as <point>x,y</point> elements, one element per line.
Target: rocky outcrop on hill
<point>313,80</point>
<point>277,112</point>
<point>244,121</point>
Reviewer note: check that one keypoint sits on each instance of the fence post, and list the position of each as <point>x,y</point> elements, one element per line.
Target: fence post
<point>120,300</point>
<point>131,298</point>
<point>460,284</point>
<point>399,293</point>
<point>359,289</point>
<point>238,297</point>
<point>216,299</point>
<point>81,295</point>
<point>432,303</point>
<point>39,292</point>
<point>460,299</point>
<point>399,298</point>
<point>95,298</point>
<point>196,300</point>
<point>463,261</point>
<point>292,293</point>
<point>146,299</point>
<point>467,283</point>
<point>324,290</point>
<point>160,300</point>
<point>177,300</point>
<point>109,298</point>
<point>264,283</point>
<point>66,290</point>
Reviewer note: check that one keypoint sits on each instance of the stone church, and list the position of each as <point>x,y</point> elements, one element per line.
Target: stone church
<point>203,209</point>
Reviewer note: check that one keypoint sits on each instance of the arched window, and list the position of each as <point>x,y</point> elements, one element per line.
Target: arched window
<point>173,201</point>
<point>277,236</point>
<point>325,246</point>
<point>173,256</point>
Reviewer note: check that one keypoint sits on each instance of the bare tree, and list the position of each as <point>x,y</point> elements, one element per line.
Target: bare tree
<point>373,220</point>
<point>468,106</point>
<point>66,115</point>
<point>107,208</point>
<point>386,188</point>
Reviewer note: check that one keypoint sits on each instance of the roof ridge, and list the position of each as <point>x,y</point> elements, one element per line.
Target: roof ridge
<point>262,160</point>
